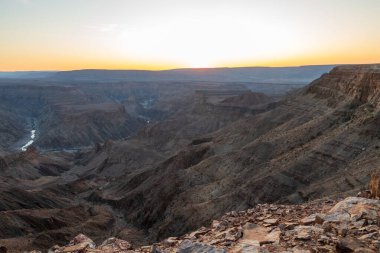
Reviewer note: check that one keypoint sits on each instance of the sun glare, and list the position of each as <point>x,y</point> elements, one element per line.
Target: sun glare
<point>199,64</point>
<point>189,34</point>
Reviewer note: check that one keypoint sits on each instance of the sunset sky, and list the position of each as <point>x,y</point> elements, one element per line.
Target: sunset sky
<point>164,34</point>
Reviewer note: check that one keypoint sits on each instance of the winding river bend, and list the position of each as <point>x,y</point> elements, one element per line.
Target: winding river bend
<point>31,138</point>
<point>30,142</point>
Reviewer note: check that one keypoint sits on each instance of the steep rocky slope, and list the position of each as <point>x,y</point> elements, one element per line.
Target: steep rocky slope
<point>11,128</point>
<point>317,142</point>
<point>52,189</point>
<point>350,225</point>
<point>37,207</point>
<point>357,82</point>
<point>74,126</point>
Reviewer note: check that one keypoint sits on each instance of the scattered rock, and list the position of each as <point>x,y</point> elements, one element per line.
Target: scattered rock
<point>306,232</point>
<point>80,243</point>
<point>364,250</point>
<point>113,244</point>
<point>156,249</point>
<point>53,249</point>
<point>199,232</point>
<point>272,237</point>
<point>346,245</point>
<point>191,247</point>
<point>352,225</point>
<point>336,217</point>
<point>309,220</point>
<point>367,236</point>
<point>301,251</point>
<point>270,222</point>
<point>254,233</point>
<point>84,240</point>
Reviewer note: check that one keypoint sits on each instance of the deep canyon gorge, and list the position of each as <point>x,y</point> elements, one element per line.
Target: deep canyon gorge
<point>147,156</point>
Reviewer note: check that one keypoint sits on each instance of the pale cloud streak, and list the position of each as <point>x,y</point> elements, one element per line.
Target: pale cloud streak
<point>103,27</point>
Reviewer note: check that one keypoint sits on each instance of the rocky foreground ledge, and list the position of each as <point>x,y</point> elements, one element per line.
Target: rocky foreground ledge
<point>351,225</point>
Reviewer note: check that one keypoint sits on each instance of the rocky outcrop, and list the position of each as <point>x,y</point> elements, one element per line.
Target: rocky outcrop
<point>11,129</point>
<point>349,225</point>
<point>358,82</point>
<point>82,243</point>
<point>73,126</point>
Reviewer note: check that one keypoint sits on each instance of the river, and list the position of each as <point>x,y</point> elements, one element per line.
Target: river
<point>31,140</point>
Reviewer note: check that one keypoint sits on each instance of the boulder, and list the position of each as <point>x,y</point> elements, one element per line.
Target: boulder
<point>336,217</point>
<point>113,244</point>
<point>192,247</point>
<point>79,244</point>
<point>354,209</point>
<point>82,239</point>
<point>347,245</point>
<point>306,232</point>
<point>308,220</point>
<point>171,241</point>
<point>254,234</point>
<point>347,204</point>
<point>364,250</point>
<point>270,222</point>
<point>272,237</point>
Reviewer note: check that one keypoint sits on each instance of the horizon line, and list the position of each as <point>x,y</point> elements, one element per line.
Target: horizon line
<point>189,68</point>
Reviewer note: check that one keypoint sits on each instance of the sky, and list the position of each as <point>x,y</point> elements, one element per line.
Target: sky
<point>166,34</point>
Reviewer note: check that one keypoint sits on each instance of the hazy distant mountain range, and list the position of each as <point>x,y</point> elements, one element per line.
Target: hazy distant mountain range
<point>26,74</point>
<point>302,74</point>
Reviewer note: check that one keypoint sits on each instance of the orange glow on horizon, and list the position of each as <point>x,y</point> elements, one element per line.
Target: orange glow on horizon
<point>40,63</point>
<point>168,34</point>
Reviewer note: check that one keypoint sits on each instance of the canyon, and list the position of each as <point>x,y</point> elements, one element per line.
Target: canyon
<point>142,160</point>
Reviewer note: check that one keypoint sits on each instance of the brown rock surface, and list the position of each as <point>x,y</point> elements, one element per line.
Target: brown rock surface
<point>321,141</point>
<point>244,232</point>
